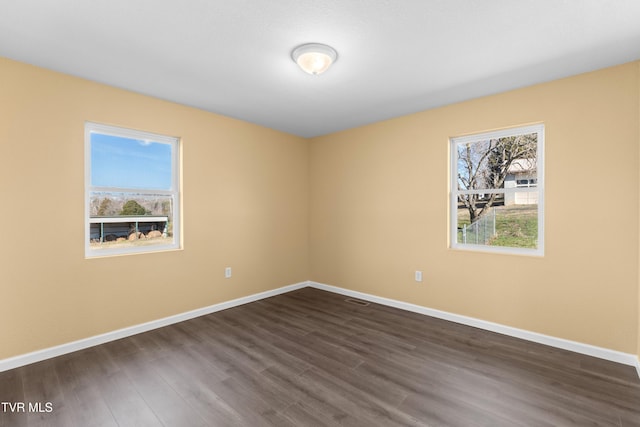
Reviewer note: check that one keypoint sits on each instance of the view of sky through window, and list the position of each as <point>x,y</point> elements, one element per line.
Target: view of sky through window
<point>129,163</point>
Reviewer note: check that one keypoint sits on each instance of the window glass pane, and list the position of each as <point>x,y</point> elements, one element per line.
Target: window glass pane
<point>130,219</point>
<point>129,163</point>
<point>496,163</point>
<point>513,225</point>
<point>131,191</point>
<point>497,193</point>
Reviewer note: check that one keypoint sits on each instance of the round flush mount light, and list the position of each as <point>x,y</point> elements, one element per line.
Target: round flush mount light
<point>314,58</point>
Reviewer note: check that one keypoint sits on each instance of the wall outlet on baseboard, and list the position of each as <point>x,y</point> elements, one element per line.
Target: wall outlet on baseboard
<point>227,272</point>
<point>418,276</point>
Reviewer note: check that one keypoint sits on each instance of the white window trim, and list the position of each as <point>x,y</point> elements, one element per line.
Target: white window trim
<point>454,192</point>
<point>174,192</point>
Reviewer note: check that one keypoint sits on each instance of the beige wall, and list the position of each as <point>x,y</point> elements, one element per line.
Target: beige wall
<point>379,200</point>
<point>245,206</point>
<point>361,209</point>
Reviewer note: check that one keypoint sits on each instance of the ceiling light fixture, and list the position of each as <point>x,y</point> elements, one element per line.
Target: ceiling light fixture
<point>314,58</point>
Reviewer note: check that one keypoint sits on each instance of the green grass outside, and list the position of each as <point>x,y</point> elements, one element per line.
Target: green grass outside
<point>132,243</point>
<point>516,226</point>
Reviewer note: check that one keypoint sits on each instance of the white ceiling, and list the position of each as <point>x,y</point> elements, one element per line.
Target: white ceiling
<point>395,56</point>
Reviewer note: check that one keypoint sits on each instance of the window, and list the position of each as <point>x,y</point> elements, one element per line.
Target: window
<point>526,182</point>
<point>132,199</point>
<point>497,191</point>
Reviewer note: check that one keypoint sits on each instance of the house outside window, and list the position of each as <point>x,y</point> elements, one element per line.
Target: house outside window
<point>497,191</point>
<point>132,198</point>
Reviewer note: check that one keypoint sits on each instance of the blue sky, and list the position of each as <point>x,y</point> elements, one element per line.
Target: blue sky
<point>129,163</point>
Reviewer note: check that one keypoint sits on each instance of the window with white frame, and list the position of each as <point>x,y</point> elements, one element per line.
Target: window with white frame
<point>132,191</point>
<point>497,191</point>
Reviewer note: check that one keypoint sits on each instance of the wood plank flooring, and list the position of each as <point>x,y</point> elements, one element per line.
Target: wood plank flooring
<point>310,358</point>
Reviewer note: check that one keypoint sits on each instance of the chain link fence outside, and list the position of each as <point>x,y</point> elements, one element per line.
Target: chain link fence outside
<point>481,231</point>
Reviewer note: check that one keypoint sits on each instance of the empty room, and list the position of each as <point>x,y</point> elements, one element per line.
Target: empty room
<point>320,213</point>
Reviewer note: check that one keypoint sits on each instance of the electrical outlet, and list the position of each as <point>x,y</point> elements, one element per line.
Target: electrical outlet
<point>227,272</point>
<point>418,276</point>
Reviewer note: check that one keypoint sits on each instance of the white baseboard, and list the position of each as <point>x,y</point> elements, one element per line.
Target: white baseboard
<point>48,353</point>
<point>602,353</point>
<point>590,350</point>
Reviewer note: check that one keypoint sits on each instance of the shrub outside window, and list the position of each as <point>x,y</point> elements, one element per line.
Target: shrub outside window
<point>132,199</point>
<point>497,191</point>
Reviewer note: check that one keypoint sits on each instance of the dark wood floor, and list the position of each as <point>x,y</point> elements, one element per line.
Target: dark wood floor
<point>310,358</point>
